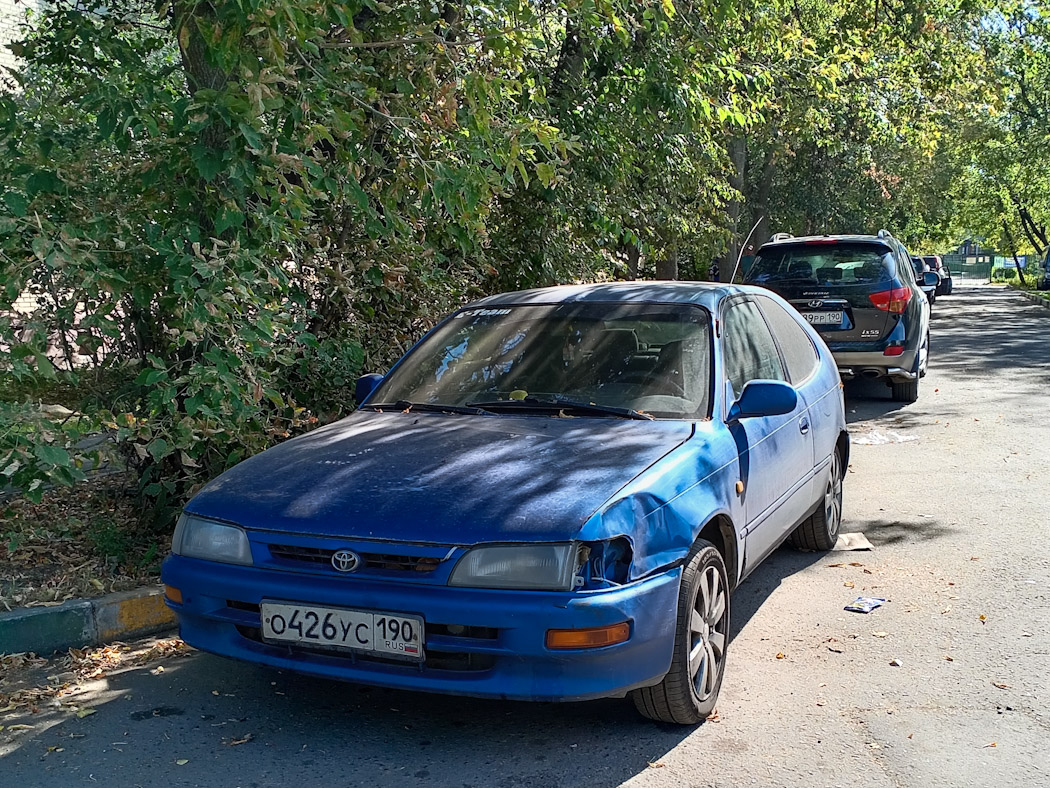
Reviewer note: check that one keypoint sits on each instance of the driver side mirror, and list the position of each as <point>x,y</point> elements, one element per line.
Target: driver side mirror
<point>764,398</point>
<point>366,384</point>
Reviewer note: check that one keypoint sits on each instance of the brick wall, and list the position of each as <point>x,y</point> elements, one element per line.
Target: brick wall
<point>12,14</point>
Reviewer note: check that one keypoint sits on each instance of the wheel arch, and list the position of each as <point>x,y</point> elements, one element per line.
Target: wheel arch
<point>842,447</point>
<point>720,532</point>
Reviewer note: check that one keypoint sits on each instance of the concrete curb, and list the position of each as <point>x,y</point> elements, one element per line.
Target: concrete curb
<point>86,622</point>
<point>1038,300</point>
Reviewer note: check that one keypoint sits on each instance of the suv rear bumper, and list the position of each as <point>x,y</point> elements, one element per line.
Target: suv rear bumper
<point>876,365</point>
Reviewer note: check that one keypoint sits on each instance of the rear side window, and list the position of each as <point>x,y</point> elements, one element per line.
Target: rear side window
<point>800,355</point>
<point>823,264</point>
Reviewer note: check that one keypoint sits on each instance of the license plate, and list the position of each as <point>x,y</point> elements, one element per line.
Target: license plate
<point>823,318</point>
<point>389,634</point>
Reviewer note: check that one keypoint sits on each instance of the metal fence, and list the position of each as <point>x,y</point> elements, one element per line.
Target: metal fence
<point>973,268</point>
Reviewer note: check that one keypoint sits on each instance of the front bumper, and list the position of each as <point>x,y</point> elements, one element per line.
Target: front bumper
<point>502,655</point>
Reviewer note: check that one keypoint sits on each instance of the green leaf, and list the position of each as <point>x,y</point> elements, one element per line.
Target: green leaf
<point>208,160</point>
<point>228,217</point>
<point>42,182</point>
<point>251,136</point>
<point>16,203</point>
<point>52,455</point>
<point>158,448</point>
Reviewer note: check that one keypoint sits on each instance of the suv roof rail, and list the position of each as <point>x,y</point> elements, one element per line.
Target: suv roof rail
<point>780,237</point>
<point>885,234</point>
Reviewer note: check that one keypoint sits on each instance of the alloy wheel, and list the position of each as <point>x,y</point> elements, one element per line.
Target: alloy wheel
<point>708,635</point>
<point>833,498</point>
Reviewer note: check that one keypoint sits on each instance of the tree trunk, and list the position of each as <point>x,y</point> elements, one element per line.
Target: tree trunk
<point>667,264</point>
<point>737,180</point>
<point>1013,251</point>
<point>633,257</point>
<point>760,203</point>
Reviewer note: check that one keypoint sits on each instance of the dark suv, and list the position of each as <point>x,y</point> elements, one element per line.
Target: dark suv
<point>860,293</point>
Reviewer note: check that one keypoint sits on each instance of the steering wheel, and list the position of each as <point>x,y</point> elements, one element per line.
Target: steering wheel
<point>674,387</point>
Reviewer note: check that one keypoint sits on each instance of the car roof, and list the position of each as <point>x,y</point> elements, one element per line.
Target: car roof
<point>706,294</point>
<point>804,239</point>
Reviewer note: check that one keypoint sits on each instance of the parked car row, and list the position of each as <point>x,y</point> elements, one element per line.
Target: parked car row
<point>552,495</point>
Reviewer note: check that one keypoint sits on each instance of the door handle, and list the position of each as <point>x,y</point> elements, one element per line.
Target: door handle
<point>803,425</point>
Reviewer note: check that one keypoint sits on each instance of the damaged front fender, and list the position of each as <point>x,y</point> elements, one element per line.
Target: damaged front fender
<point>655,519</point>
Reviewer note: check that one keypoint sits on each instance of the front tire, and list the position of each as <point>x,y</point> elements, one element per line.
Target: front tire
<point>688,693</point>
<point>820,530</point>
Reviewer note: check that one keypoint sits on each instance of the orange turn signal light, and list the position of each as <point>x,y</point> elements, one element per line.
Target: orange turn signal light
<point>174,594</point>
<point>595,637</point>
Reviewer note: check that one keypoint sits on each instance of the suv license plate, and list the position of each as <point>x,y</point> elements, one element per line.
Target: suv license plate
<point>389,634</point>
<point>823,318</point>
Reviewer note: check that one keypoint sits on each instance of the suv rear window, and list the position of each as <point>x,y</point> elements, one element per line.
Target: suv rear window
<point>824,264</point>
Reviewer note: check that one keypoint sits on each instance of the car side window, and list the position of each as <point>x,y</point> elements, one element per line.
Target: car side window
<point>798,350</point>
<point>748,348</point>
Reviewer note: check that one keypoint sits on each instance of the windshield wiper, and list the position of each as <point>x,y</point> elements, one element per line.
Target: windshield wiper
<point>429,407</point>
<point>559,403</point>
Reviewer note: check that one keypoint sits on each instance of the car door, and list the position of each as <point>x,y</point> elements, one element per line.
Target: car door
<point>775,452</point>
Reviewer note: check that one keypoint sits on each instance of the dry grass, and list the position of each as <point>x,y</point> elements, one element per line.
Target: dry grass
<point>77,542</point>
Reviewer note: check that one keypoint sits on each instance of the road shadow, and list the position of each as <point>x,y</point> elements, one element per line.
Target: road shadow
<point>882,532</point>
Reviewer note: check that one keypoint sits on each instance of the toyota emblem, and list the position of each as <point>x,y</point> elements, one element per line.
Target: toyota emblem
<point>345,560</point>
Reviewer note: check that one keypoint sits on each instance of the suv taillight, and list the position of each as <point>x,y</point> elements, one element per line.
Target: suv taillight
<point>895,300</point>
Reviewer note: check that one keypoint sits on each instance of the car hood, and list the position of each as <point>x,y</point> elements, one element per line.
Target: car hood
<point>440,478</point>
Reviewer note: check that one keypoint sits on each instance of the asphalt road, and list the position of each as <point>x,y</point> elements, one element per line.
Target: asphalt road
<point>956,507</point>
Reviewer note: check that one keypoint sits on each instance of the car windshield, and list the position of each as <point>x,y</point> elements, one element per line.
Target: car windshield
<point>652,358</point>
<point>826,264</point>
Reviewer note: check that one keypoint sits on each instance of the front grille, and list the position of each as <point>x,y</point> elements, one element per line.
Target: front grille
<point>462,661</point>
<point>322,556</point>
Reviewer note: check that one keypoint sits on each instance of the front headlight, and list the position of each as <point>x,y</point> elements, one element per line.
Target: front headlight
<point>539,567</point>
<point>196,537</point>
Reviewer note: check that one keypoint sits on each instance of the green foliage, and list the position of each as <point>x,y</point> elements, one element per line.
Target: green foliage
<point>226,212</point>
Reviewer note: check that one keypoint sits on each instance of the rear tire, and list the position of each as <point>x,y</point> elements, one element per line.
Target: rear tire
<point>688,693</point>
<point>905,390</point>
<point>820,530</point>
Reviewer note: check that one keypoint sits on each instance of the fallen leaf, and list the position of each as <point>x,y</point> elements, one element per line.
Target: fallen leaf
<point>834,649</point>
<point>243,740</point>
<point>896,663</point>
<point>781,655</point>
<point>982,619</point>
<point>713,716</point>
<point>215,692</point>
<point>1000,686</point>
<point>98,584</point>
<point>182,761</point>
<point>836,564</point>
<point>946,610</point>
<point>910,735</point>
<point>880,634</point>
<point>848,584</point>
<point>855,563</point>
<point>85,713</point>
<point>157,670</point>
<point>19,727</point>
<point>867,571</point>
<point>656,764</point>
<point>990,744</point>
<point>974,558</point>
<point>948,659</point>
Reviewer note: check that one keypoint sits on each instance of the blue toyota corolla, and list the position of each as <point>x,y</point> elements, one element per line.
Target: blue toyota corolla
<point>549,497</point>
